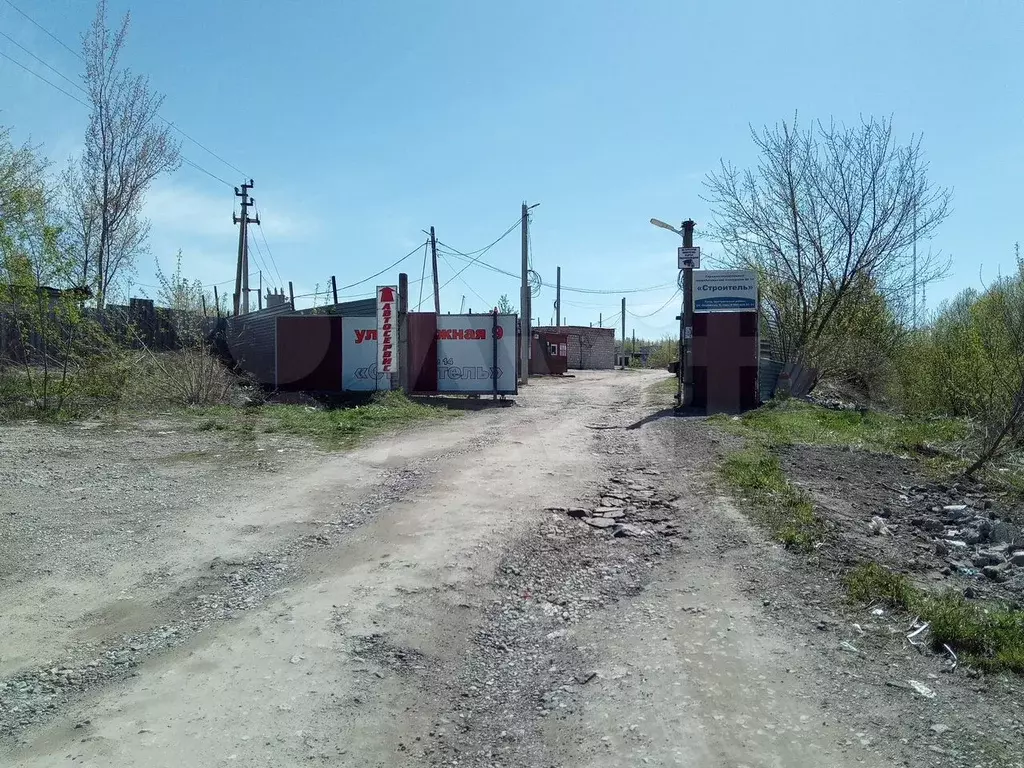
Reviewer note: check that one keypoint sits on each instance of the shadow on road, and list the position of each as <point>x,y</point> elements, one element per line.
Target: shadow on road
<point>482,403</point>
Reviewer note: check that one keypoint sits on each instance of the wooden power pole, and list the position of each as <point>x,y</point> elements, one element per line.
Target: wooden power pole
<point>524,302</point>
<point>623,332</point>
<point>242,269</point>
<point>687,360</point>
<point>433,261</point>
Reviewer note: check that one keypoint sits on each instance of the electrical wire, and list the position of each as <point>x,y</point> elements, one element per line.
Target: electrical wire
<point>208,173</point>
<point>53,69</point>
<point>462,280</point>
<point>83,90</point>
<point>75,98</point>
<point>263,234</point>
<point>378,274</point>
<point>44,29</point>
<point>48,82</point>
<point>652,314</point>
<point>485,249</point>
<point>423,273</point>
<point>258,257</point>
<point>587,291</point>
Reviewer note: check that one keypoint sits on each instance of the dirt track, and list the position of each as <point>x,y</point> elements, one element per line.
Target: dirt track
<point>410,603</point>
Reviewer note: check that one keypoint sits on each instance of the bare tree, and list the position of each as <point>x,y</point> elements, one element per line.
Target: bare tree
<point>126,147</point>
<point>828,219</point>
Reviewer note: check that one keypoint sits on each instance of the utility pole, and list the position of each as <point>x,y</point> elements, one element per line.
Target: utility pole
<point>600,320</point>
<point>558,297</point>
<point>623,332</point>
<point>524,299</point>
<point>433,261</point>
<point>634,341</point>
<point>259,293</point>
<point>686,361</point>
<point>242,270</point>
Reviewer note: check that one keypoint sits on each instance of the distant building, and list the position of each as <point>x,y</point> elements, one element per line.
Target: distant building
<point>588,348</point>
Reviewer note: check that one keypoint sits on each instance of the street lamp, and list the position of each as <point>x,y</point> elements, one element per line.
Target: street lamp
<point>663,225</point>
<point>684,396</point>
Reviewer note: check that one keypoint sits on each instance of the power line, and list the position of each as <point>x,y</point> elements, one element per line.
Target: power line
<point>269,252</point>
<point>587,291</point>
<point>208,173</point>
<point>44,29</point>
<point>258,257</point>
<point>476,258</point>
<point>462,280</point>
<point>652,314</point>
<point>48,82</point>
<point>378,274</point>
<point>75,98</point>
<point>423,273</point>
<point>83,90</point>
<point>203,147</point>
<point>44,63</point>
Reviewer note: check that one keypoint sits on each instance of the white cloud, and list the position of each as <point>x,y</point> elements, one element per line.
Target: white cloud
<point>181,208</point>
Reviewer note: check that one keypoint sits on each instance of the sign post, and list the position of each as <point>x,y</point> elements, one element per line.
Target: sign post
<point>725,290</point>
<point>387,324</point>
<point>689,258</point>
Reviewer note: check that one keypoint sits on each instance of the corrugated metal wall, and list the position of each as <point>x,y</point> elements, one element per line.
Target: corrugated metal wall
<point>251,338</point>
<point>768,377</point>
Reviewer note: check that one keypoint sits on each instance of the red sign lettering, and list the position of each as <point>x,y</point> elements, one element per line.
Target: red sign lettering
<point>470,334</point>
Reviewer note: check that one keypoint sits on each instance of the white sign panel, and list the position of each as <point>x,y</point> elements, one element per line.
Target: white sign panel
<point>465,353</point>
<point>724,290</point>
<point>359,371</point>
<point>689,258</point>
<point>387,329</point>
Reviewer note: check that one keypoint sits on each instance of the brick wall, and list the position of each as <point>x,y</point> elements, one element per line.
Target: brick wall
<point>588,348</point>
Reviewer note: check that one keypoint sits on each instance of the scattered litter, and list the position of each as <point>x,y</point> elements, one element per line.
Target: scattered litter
<point>848,647</point>
<point>877,612</point>
<point>878,527</point>
<point>917,632</point>
<point>952,656</point>
<point>922,689</point>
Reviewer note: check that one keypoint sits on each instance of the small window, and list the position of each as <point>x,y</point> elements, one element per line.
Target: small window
<point>553,349</point>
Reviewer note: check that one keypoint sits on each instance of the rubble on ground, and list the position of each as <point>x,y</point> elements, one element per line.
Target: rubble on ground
<point>630,504</point>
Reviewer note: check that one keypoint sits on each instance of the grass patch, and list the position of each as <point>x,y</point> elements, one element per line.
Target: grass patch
<point>667,386</point>
<point>794,421</point>
<point>331,427</point>
<point>988,636</point>
<point>785,509</point>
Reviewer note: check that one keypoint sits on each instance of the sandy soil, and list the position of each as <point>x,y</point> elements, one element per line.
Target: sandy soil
<point>174,599</point>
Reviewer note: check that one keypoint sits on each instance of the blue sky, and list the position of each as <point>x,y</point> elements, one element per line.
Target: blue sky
<point>364,122</point>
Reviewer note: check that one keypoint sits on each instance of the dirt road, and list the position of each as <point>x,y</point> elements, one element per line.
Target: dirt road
<point>410,603</point>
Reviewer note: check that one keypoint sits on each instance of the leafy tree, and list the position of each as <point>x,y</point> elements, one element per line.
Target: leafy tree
<point>40,314</point>
<point>505,306</point>
<point>970,364</point>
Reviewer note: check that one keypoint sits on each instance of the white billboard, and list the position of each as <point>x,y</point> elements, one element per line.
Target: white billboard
<point>724,290</point>
<point>387,329</point>
<point>465,353</point>
<point>359,371</point>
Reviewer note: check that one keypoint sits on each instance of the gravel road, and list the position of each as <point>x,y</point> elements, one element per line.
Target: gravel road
<point>553,584</point>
